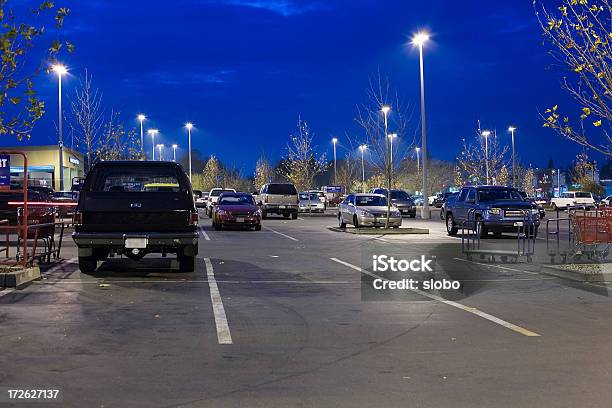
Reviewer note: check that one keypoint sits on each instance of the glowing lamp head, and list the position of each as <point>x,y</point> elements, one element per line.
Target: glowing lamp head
<point>385,109</point>
<point>334,140</point>
<point>59,69</point>
<point>174,146</point>
<point>152,132</point>
<point>189,125</point>
<point>418,149</point>
<point>159,146</point>
<point>141,117</point>
<point>511,129</point>
<point>420,38</point>
<point>392,136</point>
<point>363,147</point>
<point>486,133</point>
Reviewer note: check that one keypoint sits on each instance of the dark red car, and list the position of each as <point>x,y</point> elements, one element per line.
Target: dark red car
<point>236,210</point>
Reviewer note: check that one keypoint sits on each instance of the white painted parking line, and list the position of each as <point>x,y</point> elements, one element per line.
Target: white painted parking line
<point>496,266</point>
<point>457,305</point>
<point>281,234</point>
<point>204,234</point>
<point>223,332</point>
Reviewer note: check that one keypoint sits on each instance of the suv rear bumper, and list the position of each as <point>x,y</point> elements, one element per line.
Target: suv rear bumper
<point>279,208</point>
<point>157,241</point>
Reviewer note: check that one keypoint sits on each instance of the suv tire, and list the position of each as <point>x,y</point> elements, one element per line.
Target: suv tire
<point>294,216</point>
<point>451,227</point>
<point>186,263</point>
<point>88,264</point>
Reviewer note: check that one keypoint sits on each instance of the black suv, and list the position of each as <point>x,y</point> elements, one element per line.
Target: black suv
<point>134,209</point>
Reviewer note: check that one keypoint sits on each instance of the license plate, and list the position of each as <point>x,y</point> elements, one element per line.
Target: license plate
<point>281,206</point>
<point>239,219</point>
<point>139,243</point>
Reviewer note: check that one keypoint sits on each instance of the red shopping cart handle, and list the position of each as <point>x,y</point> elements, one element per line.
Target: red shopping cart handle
<point>52,204</point>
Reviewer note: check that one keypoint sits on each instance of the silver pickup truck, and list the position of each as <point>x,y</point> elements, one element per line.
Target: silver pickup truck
<point>278,198</point>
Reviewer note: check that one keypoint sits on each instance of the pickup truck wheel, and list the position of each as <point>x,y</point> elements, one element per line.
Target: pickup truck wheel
<point>285,216</point>
<point>294,216</point>
<point>186,263</point>
<point>88,264</point>
<point>451,227</point>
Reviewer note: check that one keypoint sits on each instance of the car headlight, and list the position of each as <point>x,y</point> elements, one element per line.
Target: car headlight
<point>364,213</point>
<point>495,211</point>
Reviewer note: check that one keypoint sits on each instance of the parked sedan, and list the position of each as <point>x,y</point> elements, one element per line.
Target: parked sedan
<point>400,199</point>
<point>310,202</point>
<point>201,198</point>
<point>236,210</point>
<point>367,210</point>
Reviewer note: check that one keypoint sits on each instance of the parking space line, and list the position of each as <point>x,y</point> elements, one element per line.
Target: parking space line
<point>206,237</point>
<point>496,266</point>
<point>457,305</point>
<point>281,234</point>
<point>223,332</point>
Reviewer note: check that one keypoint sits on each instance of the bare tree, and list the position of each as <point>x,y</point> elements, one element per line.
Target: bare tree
<point>117,143</point>
<point>87,122</point>
<point>263,172</point>
<point>212,169</point>
<point>472,160</point>
<point>377,127</point>
<point>302,163</point>
<point>578,33</point>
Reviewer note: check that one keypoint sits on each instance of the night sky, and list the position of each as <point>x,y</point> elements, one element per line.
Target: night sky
<point>243,70</point>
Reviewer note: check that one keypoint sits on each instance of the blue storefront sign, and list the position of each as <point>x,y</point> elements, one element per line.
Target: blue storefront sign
<point>5,170</point>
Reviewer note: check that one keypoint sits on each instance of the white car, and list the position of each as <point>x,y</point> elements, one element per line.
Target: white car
<point>573,199</point>
<point>213,197</point>
<point>607,201</point>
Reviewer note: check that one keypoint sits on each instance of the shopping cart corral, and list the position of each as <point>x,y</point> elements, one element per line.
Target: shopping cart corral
<point>472,245</point>
<point>581,236</point>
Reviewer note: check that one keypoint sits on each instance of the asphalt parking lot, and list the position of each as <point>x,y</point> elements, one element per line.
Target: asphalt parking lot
<point>276,318</point>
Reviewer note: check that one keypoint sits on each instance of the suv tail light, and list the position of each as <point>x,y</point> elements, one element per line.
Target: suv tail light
<point>194,218</point>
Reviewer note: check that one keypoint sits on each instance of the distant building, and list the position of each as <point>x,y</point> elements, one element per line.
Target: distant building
<point>43,165</point>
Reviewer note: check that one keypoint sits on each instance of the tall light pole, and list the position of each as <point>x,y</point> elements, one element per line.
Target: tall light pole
<point>60,70</point>
<point>189,126</point>
<point>153,132</point>
<point>391,137</point>
<point>385,110</point>
<point>419,40</point>
<point>174,146</point>
<point>418,149</point>
<point>486,135</point>
<point>160,147</point>
<point>362,148</point>
<point>334,141</point>
<point>141,118</point>
<point>512,129</point>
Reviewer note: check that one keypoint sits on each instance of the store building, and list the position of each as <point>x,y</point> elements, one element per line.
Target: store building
<point>43,165</point>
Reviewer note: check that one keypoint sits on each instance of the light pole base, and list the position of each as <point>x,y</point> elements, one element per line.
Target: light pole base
<point>425,212</point>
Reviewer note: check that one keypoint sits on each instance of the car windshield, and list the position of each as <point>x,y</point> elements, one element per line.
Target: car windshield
<point>217,193</point>
<point>370,201</point>
<point>399,195</point>
<point>583,195</point>
<point>284,189</point>
<point>136,179</point>
<point>313,196</point>
<point>236,200</point>
<point>497,194</point>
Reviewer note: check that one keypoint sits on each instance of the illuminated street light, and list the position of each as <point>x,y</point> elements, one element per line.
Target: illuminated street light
<point>141,118</point>
<point>174,146</point>
<point>511,129</point>
<point>419,40</point>
<point>362,148</point>
<point>486,135</point>
<point>153,133</point>
<point>334,141</point>
<point>189,126</point>
<point>60,70</point>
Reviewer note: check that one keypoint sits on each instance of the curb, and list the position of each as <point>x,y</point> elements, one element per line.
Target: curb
<point>381,231</point>
<point>576,275</point>
<point>19,277</point>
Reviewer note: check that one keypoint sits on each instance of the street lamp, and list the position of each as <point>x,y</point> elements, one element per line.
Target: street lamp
<point>160,147</point>
<point>153,133</point>
<point>141,118</point>
<point>419,40</point>
<point>486,135</point>
<point>391,137</point>
<point>174,146</point>
<point>60,70</point>
<point>418,149</point>
<point>189,126</point>
<point>511,129</point>
<point>362,148</point>
<point>334,141</point>
<point>385,110</point>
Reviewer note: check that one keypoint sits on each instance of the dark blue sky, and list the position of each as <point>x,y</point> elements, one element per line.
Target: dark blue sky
<point>243,70</point>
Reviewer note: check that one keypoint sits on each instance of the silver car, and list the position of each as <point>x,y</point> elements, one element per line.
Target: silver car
<point>367,210</point>
<point>310,202</point>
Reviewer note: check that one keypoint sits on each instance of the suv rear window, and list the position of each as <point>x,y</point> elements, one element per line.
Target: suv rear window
<point>284,189</point>
<point>132,179</point>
